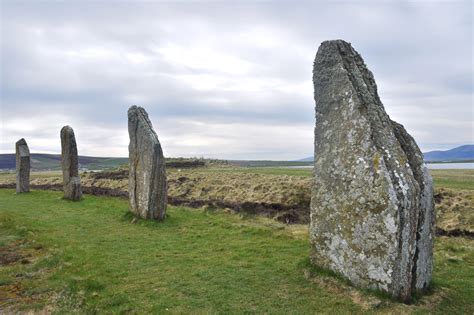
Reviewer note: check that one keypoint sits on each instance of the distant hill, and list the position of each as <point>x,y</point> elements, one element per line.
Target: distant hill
<point>267,163</point>
<point>462,153</point>
<point>52,162</point>
<point>308,159</point>
<point>43,162</point>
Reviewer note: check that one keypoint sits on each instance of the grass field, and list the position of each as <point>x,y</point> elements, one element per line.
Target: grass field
<point>304,172</point>
<point>261,190</point>
<point>449,178</point>
<point>10,176</point>
<point>89,257</point>
<point>455,179</point>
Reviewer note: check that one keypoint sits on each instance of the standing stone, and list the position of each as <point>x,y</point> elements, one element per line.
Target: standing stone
<point>372,208</point>
<point>147,184</point>
<point>22,166</point>
<point>70,165</point>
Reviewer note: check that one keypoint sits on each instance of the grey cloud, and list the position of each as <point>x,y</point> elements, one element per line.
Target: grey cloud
<point>210,66</point>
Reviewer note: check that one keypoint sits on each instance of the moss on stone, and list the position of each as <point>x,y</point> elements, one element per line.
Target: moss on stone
<point>376,161</point>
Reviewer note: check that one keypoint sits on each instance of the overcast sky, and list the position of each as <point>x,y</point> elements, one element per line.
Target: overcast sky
<point>224,79</point>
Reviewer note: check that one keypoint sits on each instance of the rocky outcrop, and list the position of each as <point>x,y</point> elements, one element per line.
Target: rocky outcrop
<point>22,166</point>
<point>372,208</point>
<point>70,165</point>
<point>147,173</point>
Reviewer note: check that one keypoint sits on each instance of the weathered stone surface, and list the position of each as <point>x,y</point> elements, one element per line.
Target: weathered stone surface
<point>147,184</point>
<point>372,209</point>
<point>70,165</point>
<point>22,166</point>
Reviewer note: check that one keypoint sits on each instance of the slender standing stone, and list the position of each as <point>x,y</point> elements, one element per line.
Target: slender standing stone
<point>22,166</point>
<point>372,209</point>
<point>70,165</point>
<point>147,176</point>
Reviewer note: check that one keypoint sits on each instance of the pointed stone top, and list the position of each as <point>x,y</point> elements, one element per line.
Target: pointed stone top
<point>335,47</point>
<point>136,110</point>
<point>331,51</point>
<point>333,42</point>
<point>137,116</point>
<point>22,148</point>
<point>67,128</point>
<point>339,65</point>
<point>22,141</point>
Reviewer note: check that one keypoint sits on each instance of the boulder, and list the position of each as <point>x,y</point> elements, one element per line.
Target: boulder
<point>147,184</point>
<point>70,165</point>
<point>22,166</point>
<point>372,208</point>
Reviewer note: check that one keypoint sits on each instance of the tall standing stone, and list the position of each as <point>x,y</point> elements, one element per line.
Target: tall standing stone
<point>147,184</point>
<point>22,166</point>
<point>372,209</point>
<point>70,165</point>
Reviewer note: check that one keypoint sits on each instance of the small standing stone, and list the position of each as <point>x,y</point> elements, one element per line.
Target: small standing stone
<point>147,184</point>
<point>70,165</point>
<point>22,166</point>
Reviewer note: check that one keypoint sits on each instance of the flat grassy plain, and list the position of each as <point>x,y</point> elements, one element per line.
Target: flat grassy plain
<point>449,178</point>
<point>455,179</point>
<point>92,257</point>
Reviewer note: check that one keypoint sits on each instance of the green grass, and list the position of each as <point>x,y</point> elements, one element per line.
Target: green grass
<point>92,259</point>
<point>455,179</point>
<point>10,176</point>
<point>194,261</point>
<point>106,163</point>
<point>454,271</point>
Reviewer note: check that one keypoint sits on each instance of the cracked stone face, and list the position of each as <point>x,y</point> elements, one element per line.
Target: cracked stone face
<point>22,166</point>
<point>147,175</point>
<point>372,208</point>
<point>70,165</point>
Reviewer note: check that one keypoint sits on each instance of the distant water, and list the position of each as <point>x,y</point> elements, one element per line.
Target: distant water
<point>432,166</point>
<point>450,166</point>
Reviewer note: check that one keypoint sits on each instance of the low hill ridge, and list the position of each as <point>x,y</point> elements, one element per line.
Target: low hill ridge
<point>461,153</point>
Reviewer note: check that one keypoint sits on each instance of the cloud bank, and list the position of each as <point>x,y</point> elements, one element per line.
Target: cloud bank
<point>224,79</point>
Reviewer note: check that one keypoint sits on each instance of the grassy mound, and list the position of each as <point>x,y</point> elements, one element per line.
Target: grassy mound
<point>93,257</point>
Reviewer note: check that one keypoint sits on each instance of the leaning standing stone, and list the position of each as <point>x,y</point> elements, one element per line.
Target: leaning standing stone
<point>22,166</point>
<point>372,209</point>
<point>147,176</point>
<point>70,165</point>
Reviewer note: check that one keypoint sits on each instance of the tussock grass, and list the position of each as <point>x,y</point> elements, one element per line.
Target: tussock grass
<point>455,210</point>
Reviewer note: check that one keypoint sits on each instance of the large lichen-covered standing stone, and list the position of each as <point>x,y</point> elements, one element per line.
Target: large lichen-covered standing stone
<point>22,166</point>
<point>70,165</point>
<point>147,184</point>
<point>372,209</point>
